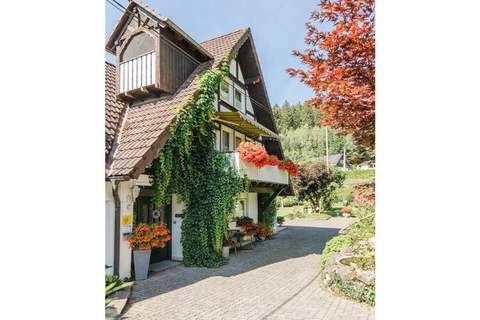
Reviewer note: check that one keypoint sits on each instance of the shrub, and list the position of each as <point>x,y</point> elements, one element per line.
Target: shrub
<point>280,220</point>
<point>317,184</point>
<point>355,290</point>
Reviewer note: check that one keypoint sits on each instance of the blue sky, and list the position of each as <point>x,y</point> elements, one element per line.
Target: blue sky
<point>278,27</point>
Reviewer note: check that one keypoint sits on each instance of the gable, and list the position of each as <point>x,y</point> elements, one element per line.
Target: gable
<point>144,130</point>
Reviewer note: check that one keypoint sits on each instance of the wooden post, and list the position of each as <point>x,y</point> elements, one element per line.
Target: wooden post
<point>344,157</point>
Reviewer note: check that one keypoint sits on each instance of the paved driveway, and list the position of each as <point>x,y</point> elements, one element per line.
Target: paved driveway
<point>278,279</point>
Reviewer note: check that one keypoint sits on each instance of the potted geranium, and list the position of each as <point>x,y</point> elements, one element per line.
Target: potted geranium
<point>143,239</point>
<point>346,211</point>
<point>263,232</point>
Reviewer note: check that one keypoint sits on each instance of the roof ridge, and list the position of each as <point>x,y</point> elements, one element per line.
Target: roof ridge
<point>225,35</point>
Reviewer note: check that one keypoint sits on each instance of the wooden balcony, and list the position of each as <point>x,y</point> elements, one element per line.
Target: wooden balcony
<point>267,174</point>
<point>137,77</point>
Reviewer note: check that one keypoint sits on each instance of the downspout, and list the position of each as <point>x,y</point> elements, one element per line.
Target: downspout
<point>116,250</point>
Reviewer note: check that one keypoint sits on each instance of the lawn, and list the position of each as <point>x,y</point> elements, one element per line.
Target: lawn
<point>297,212</point>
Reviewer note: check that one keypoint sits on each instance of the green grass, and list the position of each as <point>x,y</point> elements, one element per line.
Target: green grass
<point>296,212</point>
<point>357,174</point>
<point>282,212</point>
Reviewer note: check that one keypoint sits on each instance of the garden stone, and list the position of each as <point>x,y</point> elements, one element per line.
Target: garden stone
<point>367,277</point>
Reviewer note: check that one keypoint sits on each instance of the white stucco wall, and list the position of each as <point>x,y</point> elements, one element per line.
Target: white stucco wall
<point>127,199</point>
<point>253,206</point>
<point>109,227</point>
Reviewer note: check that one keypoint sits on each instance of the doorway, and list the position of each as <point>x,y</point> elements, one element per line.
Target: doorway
<point>146,212</point>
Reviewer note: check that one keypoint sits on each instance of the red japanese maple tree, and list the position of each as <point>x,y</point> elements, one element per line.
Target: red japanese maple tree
<point>341,66</point>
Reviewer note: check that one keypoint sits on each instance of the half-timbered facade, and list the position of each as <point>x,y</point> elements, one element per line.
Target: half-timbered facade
<point>157,71</point>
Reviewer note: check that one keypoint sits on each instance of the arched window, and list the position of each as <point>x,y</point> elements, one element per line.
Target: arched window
<point>139,45</point>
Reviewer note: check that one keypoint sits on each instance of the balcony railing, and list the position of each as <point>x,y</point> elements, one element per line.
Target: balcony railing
<point>269,174</point>
<point>137,72</point>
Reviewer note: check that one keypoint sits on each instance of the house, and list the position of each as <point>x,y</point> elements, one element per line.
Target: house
<point>367,164</point>
<point>156,72</point>
<point>335,160</point>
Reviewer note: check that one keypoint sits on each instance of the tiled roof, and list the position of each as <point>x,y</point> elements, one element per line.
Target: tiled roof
<point>221,46</point>
<point>113,107</point>
<point>146,123</point>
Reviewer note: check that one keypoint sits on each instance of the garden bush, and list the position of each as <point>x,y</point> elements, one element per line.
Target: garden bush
<point>317,183</point>
<point>280,220</point>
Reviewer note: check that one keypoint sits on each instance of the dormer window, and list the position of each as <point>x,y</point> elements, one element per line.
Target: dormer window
<point>139,45</point>
<point>154,57</point>
<point>137,63</point>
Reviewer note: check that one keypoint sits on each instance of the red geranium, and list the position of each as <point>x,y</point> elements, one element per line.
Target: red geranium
<point>255,153</point>
<point>273,160</point>
<point>289,166</point>
<point>145,237</point>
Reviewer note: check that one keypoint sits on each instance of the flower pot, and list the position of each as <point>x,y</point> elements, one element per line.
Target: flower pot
<point>225,252</point>
<point>141,260</point>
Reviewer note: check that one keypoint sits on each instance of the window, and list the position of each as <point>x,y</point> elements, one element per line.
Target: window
<point>139,45</point>
<point>225,141</point>
<point>224,90</point>
<point>238,140</point>
<point>238,101</point>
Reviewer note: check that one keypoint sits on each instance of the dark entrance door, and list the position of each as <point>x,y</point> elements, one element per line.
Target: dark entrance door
<point>145,212</point>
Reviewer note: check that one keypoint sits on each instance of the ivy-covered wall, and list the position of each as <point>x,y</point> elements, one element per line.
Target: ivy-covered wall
<point>202,177</point>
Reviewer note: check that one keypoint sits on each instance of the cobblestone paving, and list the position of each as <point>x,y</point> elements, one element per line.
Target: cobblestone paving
<point>278,280</point>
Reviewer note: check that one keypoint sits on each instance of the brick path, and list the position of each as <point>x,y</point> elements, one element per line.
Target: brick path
<point>276,280</point>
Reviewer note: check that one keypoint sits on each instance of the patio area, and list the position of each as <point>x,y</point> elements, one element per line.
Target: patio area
<point>278,279</point>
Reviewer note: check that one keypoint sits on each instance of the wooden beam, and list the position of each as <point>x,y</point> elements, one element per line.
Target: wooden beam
<point>263,206</point>
<point>253,80</point>
<point>133,96</point>
<point>145,22</point>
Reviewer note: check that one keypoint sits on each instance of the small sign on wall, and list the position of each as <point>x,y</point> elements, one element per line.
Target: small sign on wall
<point>126,223</point>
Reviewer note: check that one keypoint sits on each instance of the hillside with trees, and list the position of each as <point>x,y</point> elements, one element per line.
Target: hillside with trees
<point>303,140</point>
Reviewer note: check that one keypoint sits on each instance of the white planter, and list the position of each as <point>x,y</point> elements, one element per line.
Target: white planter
<point>225,252</point>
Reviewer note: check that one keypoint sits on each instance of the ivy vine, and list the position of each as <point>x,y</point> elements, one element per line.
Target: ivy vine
<point>269,215</point>
<point>202,178</point>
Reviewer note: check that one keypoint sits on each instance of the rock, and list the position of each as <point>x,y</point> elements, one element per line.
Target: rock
<point>367,277</point>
